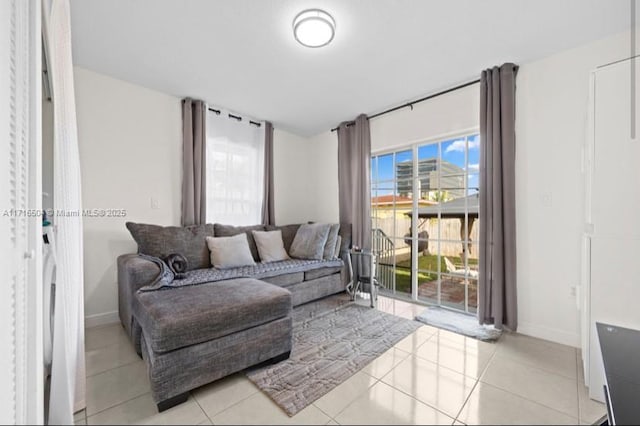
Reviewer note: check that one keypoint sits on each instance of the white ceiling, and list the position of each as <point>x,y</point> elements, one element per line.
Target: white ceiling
<point>241,54</point>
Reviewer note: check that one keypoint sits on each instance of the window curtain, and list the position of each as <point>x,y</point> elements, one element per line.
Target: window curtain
<point>194,121</point>
<point>235,174</point>
<point>497,302</point>
<point>354,175</point>
<point>68,365</point>
<point>268,210</point>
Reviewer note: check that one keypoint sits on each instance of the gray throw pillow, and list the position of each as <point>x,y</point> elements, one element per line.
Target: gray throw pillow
<point>229,252</point>
<point>270,246</point>
<point>336,252</point>
<point>330,245</point>
<point>161,241</point>
<point>309,241</point>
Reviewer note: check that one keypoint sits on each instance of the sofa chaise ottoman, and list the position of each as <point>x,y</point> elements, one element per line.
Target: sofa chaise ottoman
<point>205,332</point>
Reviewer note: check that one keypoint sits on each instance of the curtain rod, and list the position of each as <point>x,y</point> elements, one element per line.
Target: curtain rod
<point>236,117</point>
<point>410,104</point>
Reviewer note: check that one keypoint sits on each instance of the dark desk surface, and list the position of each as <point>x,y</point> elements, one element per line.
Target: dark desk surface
<point>620,349</point>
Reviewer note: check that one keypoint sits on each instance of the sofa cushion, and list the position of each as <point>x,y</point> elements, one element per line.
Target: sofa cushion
<point>288,233</point>
<point>257,271</point>
<point>330,245</point>
<point>172,319</point>
<point>285,280</point>
<point>309,241</point>
<point>161,241</point>
<point>229,231</point>
<point>322,272</point>
<point>307,291</point>
<point>270,245</point>
<point>230,252</point>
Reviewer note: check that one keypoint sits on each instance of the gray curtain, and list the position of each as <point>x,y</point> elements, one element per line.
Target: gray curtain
<point>354,163</point>
<point>194,171</point>
<point>497,275</point>
<point>268,212</point>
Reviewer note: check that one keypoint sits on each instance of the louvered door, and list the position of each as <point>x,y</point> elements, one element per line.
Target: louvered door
<point>20,304</point>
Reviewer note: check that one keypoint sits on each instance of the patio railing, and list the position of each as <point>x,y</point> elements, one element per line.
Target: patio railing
<point>384,250</point>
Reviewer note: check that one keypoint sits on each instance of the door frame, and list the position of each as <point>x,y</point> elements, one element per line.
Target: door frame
<point>413,147</point>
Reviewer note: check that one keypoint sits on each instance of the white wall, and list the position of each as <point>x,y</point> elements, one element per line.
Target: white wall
<point>130,151</point>
<point>454,112</point>
<point>551,120</point>
<point>324,151</point>
<point>292,178</point>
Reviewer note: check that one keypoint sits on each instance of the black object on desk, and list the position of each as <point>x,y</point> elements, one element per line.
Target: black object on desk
<point>620,348</point>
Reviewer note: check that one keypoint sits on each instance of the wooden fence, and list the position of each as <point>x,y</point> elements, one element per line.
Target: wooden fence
<point>445,232</point>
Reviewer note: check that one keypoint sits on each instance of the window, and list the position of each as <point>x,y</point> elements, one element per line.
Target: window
<point>235,170</point>
<point>424,205</point>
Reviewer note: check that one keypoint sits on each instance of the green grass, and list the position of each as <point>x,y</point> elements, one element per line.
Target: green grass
<point>403,280</point>
<point>425,263</point>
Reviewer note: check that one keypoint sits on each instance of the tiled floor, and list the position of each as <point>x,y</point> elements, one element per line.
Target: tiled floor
<point>430,377</point>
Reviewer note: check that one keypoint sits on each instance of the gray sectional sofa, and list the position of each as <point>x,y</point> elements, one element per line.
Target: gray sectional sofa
<point>195,334</point>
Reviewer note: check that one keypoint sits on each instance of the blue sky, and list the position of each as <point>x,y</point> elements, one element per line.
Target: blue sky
<point>453,151</point>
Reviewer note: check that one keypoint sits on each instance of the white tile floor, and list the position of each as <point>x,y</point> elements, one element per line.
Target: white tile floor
<point>431,377</point>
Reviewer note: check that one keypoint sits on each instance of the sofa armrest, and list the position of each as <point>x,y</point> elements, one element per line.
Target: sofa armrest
<point>134,272</point>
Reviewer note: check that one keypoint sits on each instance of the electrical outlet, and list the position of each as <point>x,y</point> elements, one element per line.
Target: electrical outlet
<point>573,291</point>
<point>154,203</point>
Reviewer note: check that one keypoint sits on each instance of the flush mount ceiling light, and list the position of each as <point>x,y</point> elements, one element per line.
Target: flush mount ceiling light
<point>314,28</point>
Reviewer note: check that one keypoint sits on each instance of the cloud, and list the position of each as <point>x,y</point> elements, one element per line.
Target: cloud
<point>474,168</point>
<point>460,145</point>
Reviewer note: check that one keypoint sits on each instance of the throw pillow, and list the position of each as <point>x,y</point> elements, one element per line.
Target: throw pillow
<point>309,241</point>
<point>161,241</point>
<point>270,246</point>
<point>336,252</point>
<point>330,245</point>
<point>229,252</point>
<point>230,230</point>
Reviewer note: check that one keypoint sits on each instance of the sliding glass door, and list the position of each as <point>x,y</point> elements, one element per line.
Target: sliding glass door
<point>424,204</point>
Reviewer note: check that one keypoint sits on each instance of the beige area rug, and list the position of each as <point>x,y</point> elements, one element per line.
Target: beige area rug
<point>330,344</point>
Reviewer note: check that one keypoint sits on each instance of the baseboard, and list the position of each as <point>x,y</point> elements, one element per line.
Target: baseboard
<point>548,333</point>
<point>101,319</point>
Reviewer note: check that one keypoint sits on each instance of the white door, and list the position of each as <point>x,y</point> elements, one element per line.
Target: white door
<point>615,207</point>
<point>21,367</point>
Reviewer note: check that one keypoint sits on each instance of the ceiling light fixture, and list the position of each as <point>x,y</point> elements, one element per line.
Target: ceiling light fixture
<point>314,28</point>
